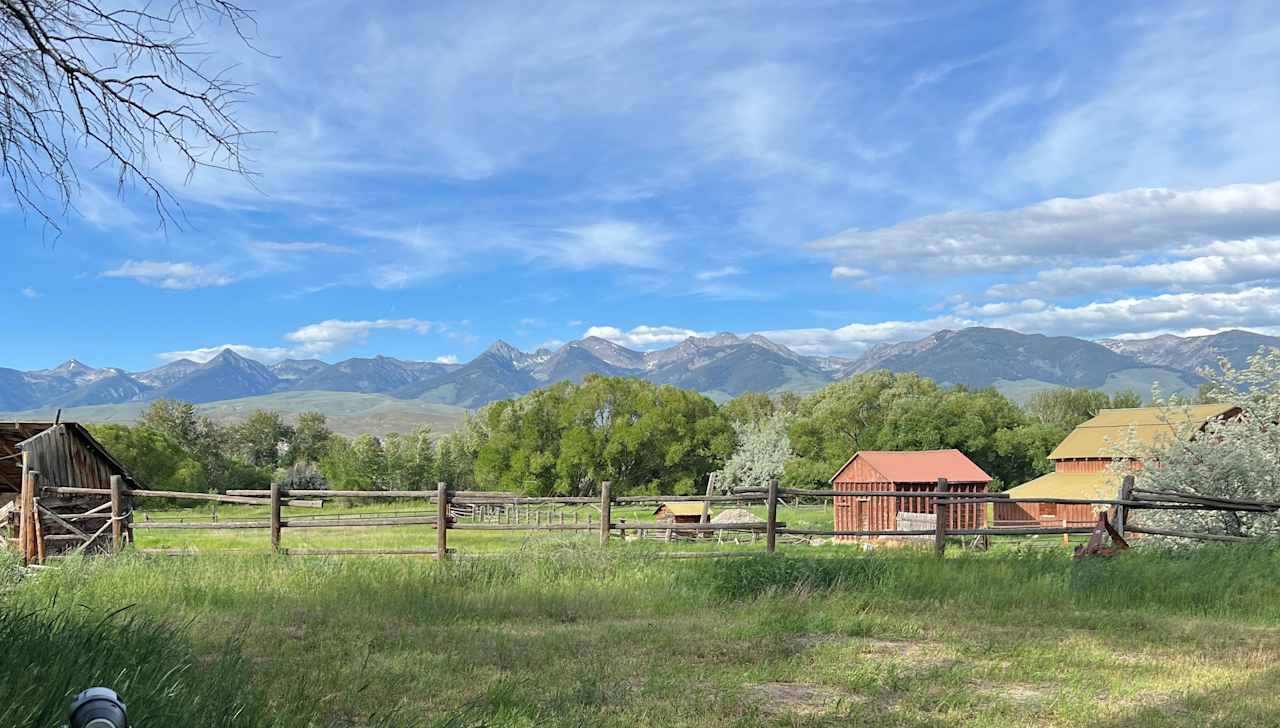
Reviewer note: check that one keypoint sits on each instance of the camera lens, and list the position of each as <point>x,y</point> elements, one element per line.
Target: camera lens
<point>98,708</point>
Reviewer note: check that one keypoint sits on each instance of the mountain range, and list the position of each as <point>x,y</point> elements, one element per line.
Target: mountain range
<point>721,366</point>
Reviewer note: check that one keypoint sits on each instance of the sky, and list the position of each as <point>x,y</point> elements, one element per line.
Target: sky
<point>831,174</point>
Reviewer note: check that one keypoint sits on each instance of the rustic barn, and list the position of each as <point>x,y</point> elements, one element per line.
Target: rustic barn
<point>678,513</point>
<point>1083,462</point>
<point>38,455</point>
<point>905,473</point>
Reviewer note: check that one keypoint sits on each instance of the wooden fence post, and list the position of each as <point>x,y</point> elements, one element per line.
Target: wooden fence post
<point>606,512</point>
<point>940,515</point>
<point>706,504</point>
<point>442,521</point>
<point>275,517</point>
<point>24,512</point>
<point>771,522</point>
<point>1122,512</point>
<point>117,524</point>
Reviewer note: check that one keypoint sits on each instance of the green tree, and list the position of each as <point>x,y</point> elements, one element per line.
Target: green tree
<point>1067,408</point>
<point>310,438</point>
<point>157,460</point>
<point>207,442</point>
<point>568,437</point>
<point>750,407</point>
<point>262,438</point>
<point>410,460</point>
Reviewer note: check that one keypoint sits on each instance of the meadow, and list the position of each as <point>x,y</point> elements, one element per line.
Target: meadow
<point>560,632</point>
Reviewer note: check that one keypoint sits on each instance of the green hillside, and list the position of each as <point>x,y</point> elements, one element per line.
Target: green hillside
<point>349,413</point>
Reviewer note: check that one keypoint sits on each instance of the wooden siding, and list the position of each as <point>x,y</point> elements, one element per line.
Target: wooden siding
<point>880,513</point>
<point>1044,514</point>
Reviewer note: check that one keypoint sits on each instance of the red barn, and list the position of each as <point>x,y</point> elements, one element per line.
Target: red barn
<point>1083,463</point>
<point>905,473</point>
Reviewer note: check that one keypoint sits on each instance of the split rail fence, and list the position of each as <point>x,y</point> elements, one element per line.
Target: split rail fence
<point>1114,515</point>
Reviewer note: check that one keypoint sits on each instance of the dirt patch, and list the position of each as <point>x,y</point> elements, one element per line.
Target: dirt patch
<point>916,653</point>
<point>1025,694</point>
<point>779,698</point>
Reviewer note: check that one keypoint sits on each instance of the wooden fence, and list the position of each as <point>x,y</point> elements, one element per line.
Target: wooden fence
<point>1114,515</point>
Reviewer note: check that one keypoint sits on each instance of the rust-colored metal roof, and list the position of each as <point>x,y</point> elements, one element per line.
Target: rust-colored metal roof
<point>921,466</point>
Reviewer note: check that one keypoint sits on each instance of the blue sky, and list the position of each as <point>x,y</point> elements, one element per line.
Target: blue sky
<point>831,174</point>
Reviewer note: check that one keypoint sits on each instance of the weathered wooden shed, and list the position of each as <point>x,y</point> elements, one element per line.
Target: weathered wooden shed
<point>904,473</point>
<point>38,455</point>
<point>1085,463</point>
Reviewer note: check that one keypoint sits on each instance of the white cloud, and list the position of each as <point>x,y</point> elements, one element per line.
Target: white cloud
<point>324,337</point>
<point>1103,226</point>
<point>30,292</point>
<point>853,339</point>
<point>170,275</point>
<point>725,272</point>
<point>446,359</point>
<point>845,271</point>
<point>312,340</point>
<point>644,337</point>
<point>264,354</point>
<point>1243,261</point>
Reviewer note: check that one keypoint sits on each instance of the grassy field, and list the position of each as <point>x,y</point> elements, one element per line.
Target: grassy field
<point>466,542</point>
<point>563,633</point>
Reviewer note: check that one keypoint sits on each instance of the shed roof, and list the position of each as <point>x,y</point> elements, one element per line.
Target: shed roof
<point>1097,437</point>
<point>1104,485</point>
<point>920,466</point>
<point>681,508</point>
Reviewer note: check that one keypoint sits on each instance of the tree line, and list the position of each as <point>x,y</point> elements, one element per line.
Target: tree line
<point>565,438</point>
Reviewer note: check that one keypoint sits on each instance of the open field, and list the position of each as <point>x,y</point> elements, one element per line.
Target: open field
<point>562,633</point>
<point>348,413</point>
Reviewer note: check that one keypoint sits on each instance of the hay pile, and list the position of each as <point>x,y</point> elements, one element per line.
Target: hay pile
<point>736,515</point>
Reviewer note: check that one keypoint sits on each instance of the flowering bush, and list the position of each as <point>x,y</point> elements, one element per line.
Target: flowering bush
<point>1237,458</point>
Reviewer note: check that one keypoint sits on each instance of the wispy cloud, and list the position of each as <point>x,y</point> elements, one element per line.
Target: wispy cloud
<point>177,276</point>
<point>1103,226</point>
<point>30,292</point>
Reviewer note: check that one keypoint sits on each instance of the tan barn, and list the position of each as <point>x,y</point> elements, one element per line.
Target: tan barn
<point>1082,463</point>
<point>62,455</point>
<point>904,473</point>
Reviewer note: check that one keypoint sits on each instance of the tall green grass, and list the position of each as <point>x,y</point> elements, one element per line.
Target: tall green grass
<point>267,641</point>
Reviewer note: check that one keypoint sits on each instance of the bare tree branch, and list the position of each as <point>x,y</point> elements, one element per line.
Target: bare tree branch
<point>78,80</point>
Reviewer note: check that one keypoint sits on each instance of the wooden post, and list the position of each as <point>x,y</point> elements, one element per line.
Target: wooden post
<point>39,527</point>
<point>1066,537</point>
<point>706,504</point>
<point>1122,512</point>
<point>117,524</point>
<point>940,515</point>
<point>275,517</point>
<point>442,521</point>
<point>24,514</point>
<point>606,512</point>
<point>771,523</point>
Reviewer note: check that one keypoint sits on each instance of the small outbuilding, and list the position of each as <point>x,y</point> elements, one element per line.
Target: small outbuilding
<point>678,513</point>
<point>1086,465</point>
<point>904,473</point>
<point>38,455</point>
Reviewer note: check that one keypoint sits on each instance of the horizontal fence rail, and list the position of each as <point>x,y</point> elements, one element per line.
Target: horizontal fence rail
<point>451,508</point>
